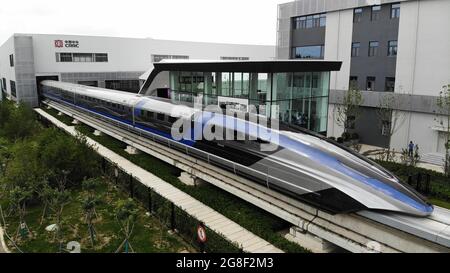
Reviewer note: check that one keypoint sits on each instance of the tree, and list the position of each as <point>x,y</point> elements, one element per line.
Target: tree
<point>19,196</point>
<point>4,155</point>
<point>58,198</point>
<point>126,215</point>
<point>23,170</point>
<point>390,120</point>
<point>5,112</point>
<point>89,204</point>
<point>348,112</point>
<point>20,123</point>
<point>58,151</point>
<point>443,103</point>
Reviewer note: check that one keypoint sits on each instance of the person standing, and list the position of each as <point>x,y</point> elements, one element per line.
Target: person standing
<point>411,149</point>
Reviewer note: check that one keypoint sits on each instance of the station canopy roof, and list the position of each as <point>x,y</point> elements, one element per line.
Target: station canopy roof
<point>272,66</point>
<point>268,66</point>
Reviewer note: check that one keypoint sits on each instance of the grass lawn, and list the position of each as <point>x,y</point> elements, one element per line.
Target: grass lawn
<point>64,118</point>
<point>439,203</point>
<point>149,234</point>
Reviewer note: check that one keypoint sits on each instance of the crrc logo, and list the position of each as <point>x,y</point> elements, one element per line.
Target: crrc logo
<point>59,43</point>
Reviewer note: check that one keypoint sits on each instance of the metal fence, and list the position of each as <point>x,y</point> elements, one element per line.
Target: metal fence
<point>168,213</point>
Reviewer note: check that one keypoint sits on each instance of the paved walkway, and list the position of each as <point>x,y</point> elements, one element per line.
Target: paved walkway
<point>2,242</point>
<point>214,220</point>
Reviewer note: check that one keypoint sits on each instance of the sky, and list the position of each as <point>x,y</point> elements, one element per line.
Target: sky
<point>222,21</point>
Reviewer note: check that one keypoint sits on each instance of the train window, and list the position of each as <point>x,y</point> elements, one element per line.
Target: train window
<point>150,114</point>
<point>160,117</point>
<point>142,113</point>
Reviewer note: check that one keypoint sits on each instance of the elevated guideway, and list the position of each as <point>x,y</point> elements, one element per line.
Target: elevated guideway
<point>357,232</point>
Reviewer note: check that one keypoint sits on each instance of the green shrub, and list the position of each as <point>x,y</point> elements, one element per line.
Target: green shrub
<point>17,121</point>
<point>440,184</point>
<point>355,136</point>
<point>346,136</point>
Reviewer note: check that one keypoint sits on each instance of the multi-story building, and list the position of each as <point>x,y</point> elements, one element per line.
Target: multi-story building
<point>397,46</point>
<point>110,62</point>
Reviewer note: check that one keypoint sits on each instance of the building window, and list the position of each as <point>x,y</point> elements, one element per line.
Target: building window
<point>390,84</point>
<point>375,15</point>
<point>373,49</point>
<point>158,58</point>
<point>235,58</point>
<point>13,88</point>
<point>323,20</point>
<point>299,22</point>
<point>386,128</point>
<point>355,49</point>
<point>308,52</point>
<point>83,57</point>
<point>370,85</point>
<point>101,58</point>
<point>395,11</point>
<point>310,21</point>
<point>357,15</point>
<point>392,48</point>
<point>65,57</point>
<point>4,87</point>
<point>316,20</point>
<point>353,82</point>
<point>11,60</point>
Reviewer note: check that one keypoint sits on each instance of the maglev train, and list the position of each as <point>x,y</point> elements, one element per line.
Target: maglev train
<point>301,164</point>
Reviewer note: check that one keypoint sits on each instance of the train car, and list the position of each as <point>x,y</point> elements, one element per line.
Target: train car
<point>288,159</point>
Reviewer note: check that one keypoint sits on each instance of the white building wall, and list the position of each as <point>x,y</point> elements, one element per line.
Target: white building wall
<point>211,51</point>
<point>128,54</point>
<point>6,71</point>
<point>338,42</point>
<point>127,58</point>
<point>423,66</point>
<point>124,54</point>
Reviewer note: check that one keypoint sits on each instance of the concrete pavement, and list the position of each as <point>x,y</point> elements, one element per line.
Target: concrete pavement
<point>3,248</point>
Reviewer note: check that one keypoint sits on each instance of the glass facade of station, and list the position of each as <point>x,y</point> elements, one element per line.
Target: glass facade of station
<point>299,98</point>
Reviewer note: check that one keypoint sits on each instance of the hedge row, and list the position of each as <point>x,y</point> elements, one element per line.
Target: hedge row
<point>440,184</point>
